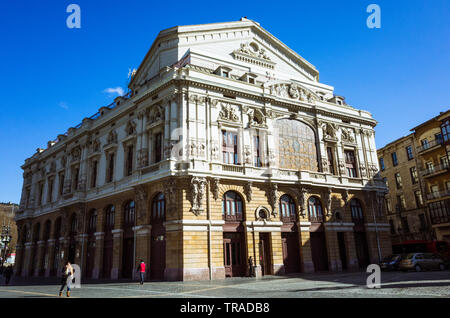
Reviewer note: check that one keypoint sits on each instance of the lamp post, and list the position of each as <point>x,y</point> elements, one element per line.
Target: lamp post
<point>5,238</point>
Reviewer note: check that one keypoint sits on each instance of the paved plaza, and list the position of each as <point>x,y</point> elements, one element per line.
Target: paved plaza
<point>336,285</point>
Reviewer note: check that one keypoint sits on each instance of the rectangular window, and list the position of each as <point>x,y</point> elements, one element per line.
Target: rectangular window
<point>414,176</point>
<point>129,163</point>
<point>27,197</point>
<point>398,180</point>
<point>51,181</point>
<point>41,193</point>
<point>94,174</point>
<point>409,153</point>
<point>382,164</point>
<point>422,222</point>
<point>444,162</point>
<point>225,74</point>
<point>157,147</point>
<point>391,224</point>
<point>61,184</point>
<point>445,130</point>
<point>419,199</point>
<point>256,152</point>
<point>251,80</point>
<point>394,159</point>
<point>76,175</point>
<point>438,138</point>
<point>350,163</point>
<point>405,225</point>
<point>229,147</point>
<point>424,143</point>
<point>110,172</point>
<point>430,167</point>
<point>330,160</point>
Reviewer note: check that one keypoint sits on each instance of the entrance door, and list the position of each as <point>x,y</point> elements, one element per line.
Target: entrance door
<point>342,249</point>
<point>234,254</point>
<point>72,248</point>
<point>107,257</point>
<point>291,252</point>
<point>264,253</point>
<point>319,251</point>
<point>127,258</point>
<point>90,257</point>
<point>158,254</point>
<point>362,250</point>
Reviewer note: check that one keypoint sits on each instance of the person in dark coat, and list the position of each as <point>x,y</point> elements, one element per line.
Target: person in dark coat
<point>8,274</point>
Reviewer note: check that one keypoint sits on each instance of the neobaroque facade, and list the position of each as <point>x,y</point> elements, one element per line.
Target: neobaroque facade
<point>226,147</point>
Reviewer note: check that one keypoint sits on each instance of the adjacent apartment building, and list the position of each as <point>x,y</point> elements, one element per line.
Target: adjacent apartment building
<point>416,170</point>
<point>226,147</point>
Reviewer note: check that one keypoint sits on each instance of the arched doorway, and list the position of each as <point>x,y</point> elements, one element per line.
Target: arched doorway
<point>129,219</point>
<point>317,235</point>
<point>57,251</point>
<point>359,232</point>
<point>44,255</point>
<point>289,235</point>
<point>108,241</point>
<point>34,248</point>
<point>234,252</point>
<point>90,255</point>
<point>23,241</point>
<point>158,238</point>
<point>73,238</point>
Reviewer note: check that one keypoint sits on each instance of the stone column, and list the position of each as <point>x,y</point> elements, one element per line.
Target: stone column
<point>80,254</point>
<point>117,253</point>
<point>20,250</point>
<point>27,259</point>
<point>64,251</point>
<point>39,252</point>
<point>98,262</point>
<point>50,256</point>
<point>305,247</point>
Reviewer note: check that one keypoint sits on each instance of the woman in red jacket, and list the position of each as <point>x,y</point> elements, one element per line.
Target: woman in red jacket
<point>141,270</point>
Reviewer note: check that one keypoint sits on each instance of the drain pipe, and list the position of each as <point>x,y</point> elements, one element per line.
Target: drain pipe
<point>208,212</point>
<point>376,228</point>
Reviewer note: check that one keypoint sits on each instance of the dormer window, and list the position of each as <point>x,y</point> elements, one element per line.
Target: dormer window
<point>223,71</point>
<point>249,78</point>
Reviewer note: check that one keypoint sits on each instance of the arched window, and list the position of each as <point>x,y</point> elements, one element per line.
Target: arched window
<point>37,229</point>
<point>74,225</point>
<point>92,221</point>
<point>109,217</point>
<point>159,208</point>
<point>315,210</point>
<point>287,208</point>
<point>357,212</point>
<point>129,213</point>
<point>232,206</point>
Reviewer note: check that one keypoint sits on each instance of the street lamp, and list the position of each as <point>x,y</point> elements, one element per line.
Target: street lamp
<point>5,238</point>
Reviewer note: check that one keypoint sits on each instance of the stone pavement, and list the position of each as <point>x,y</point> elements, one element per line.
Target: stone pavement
<point>340,285</point>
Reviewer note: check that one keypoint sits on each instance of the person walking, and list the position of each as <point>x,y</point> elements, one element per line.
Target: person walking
<point>66,278</point>
<point>251,271</point>
<point>141,270</point>
<point>7,274</point>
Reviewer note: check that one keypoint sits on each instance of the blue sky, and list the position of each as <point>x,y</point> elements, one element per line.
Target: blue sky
<point>52,77</point>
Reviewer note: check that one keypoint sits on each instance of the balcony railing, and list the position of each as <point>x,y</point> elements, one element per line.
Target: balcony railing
<point>437,195</point>
<point>431,144</point>
<point>443,167</point>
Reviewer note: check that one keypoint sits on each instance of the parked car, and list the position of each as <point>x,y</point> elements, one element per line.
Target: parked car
<point>421,261</point>
<point>391,262</point>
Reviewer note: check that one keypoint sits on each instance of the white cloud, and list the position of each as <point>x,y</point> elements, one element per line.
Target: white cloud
<point>117,90</point>
<point>63,105</point>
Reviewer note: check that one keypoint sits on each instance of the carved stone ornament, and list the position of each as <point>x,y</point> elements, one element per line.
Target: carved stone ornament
<point>76,154</point>
<point>214,150</point>
<point>248,190</point>
<point>262,214</point>
<point>229,113</point>
<point>345,196</point>
<point>328,201</point>
<point>273,198</point>
<point>329,131</point>
<point>363,170</point>
<point>254,54</point>
<point>112,137</point>
<point>142,157</point>
<point>341,164</point>
<point>155,114</point>
<point>170,194</point>
<point>214,184</point>
<point>197,193</point>
<point>256,119</point>
<point>347,135</point>
<point>141,196</point>
<point>293,91</point>
<point>324,164</point>
<point>95,147</point>
<point>247,155</point>
<point>130,128</point>
<point>302,200</point>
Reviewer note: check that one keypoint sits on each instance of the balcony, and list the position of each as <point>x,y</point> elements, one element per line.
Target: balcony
<point>438,195</point>
<point>435,170</point>
<point>431,145</point>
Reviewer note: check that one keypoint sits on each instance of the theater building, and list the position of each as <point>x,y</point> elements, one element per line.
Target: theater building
<point>226,147</point>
